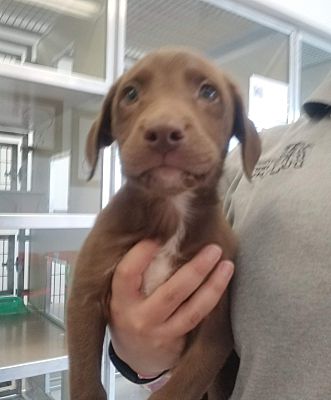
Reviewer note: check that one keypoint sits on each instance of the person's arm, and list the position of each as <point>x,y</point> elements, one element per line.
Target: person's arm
<point>148,333</point>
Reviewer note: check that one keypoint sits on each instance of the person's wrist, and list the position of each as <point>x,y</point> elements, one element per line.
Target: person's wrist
<point>157,383</point>
<point>130,374</point>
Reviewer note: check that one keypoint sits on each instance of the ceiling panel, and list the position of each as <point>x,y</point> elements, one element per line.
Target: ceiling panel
<point>26,17</point>
<point>193,23</point>
<point>312,56</point>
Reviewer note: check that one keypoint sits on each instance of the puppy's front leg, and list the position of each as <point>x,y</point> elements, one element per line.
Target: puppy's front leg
<point>86,321</point>
<point>86,329</point>
<point>86,313</point>
<point>203,359</point>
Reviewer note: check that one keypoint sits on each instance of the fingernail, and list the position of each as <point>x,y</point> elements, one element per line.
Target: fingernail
<point>227,268</point>
<point>213,253</point>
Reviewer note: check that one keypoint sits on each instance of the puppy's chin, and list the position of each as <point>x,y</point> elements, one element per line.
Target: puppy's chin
<point>166,180</point>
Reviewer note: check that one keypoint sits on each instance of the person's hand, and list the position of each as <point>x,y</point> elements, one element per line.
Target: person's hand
<point>148,333</point>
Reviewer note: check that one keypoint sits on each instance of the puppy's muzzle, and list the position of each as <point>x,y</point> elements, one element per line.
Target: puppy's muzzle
<point>164,137</point>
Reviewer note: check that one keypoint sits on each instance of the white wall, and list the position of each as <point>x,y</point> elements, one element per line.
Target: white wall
<point>315,13</point>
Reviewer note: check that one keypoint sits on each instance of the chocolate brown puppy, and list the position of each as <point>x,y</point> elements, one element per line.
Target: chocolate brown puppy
<point>172,116</point>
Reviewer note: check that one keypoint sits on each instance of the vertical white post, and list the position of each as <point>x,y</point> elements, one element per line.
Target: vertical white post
<point>116,28</point>
<point>295,51</point>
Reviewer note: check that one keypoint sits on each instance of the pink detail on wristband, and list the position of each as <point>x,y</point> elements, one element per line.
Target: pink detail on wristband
<point>158,383</point>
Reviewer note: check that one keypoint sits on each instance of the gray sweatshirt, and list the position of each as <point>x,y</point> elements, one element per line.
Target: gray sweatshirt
<point>281,291</point>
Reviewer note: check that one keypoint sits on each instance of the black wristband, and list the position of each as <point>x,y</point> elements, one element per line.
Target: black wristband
<point>126,371</point>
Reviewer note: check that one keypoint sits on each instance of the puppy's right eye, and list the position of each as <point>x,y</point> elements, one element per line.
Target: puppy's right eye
<point>130,94</point>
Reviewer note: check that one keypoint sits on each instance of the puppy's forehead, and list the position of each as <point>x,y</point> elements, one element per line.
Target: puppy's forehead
<point>170,63</point>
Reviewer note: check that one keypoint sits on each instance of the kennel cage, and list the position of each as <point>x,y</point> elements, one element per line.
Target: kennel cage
<point>43,129</point>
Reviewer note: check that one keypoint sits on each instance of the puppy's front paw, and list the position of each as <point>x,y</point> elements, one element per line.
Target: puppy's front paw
<point>97,393</point>
<point>162,395</point>
<point>169,393</point>
<point>100,394</point>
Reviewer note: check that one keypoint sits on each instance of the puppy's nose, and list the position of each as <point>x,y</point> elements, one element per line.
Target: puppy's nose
<point>164,137</point>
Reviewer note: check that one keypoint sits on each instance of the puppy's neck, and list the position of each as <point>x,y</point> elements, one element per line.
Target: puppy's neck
<point>168,214</point>
<point>176,216</point>
<point>173,220</point>
<point>158,216</point>
<point>182,204</point>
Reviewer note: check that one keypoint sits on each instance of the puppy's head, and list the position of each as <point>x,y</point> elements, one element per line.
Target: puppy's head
<point>173,115</point>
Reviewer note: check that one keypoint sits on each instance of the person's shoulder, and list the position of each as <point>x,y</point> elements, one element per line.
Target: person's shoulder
<point>272,136</point>
<point>270,139</point>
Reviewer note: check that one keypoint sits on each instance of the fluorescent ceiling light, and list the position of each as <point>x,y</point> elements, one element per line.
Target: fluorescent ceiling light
<point>76,8</point>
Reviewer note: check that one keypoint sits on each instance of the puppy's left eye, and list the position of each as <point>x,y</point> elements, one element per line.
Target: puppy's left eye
<point>208,92</point>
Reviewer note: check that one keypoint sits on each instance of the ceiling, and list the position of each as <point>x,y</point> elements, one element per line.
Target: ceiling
<point>24,22</point>
<point>26,17</point>
<point>150,24</point>
<point>193,23</point>
<point>312,56</point>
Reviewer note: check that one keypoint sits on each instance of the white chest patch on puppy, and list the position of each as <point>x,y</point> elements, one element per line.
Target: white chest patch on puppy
<point>162,266</point>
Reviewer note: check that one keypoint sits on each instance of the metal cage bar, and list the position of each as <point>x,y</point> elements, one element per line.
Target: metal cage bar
<point>7,251</point>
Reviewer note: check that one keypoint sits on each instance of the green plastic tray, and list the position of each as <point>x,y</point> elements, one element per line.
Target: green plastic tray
<point>12,305</point>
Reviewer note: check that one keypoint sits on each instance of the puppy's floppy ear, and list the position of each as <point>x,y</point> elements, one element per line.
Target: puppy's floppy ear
<point>245,131</point>
<point>100,134</point>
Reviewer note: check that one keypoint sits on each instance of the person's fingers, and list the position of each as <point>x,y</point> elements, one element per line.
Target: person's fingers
<point>169,296</point>
<point>127,278</point>
<point>202,302</point>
